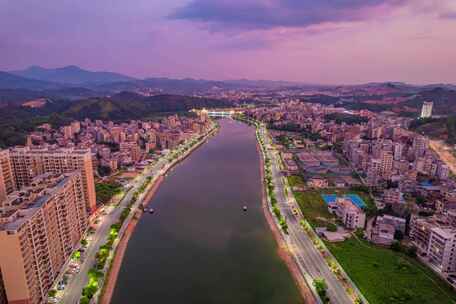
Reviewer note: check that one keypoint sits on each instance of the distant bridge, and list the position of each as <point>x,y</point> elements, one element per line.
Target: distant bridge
<point>220,113</point>
<point>217,113</point>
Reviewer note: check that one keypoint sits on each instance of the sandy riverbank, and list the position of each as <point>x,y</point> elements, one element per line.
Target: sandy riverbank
<point>282,247</point>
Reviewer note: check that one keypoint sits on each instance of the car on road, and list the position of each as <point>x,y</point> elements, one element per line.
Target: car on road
<point>52,300</point>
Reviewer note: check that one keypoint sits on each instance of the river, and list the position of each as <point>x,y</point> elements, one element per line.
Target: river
<point>200,246</point>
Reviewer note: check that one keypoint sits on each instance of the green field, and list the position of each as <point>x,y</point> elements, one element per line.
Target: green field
<point>295,181</point>
<point>313,208</point>
<point>388,277</point>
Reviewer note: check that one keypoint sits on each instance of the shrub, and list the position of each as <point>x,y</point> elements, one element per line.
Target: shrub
<point>84,300</point>
<point>321,287</point>
<point>411,251</point>
<point>396,246</point>
<point>331,227</point>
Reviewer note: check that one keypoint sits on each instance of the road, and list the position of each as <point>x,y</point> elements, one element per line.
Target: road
<point>309,260</point>
<point>73,290</point>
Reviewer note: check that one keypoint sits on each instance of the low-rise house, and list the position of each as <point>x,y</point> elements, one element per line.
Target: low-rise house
<point>383,234</point>
<point>318,182</point>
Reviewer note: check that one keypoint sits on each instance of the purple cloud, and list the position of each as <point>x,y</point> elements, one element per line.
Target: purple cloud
<point>267,14</point>
<point>449,15</point>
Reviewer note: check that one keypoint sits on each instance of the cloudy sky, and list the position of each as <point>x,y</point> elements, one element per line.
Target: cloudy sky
<point>313,41</point>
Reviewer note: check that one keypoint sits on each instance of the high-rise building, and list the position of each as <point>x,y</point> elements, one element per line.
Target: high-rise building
<point>386,164</point>
<point>426,110</point>
<point>28,163</point>
<point>398,150</point>
<point>420,145</point>
<point>40,226</point>
<point>7,183</point>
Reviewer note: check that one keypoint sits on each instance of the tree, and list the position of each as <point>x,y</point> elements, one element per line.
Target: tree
<point>331,227</point>
<point>420,200</point>
<point>321,287</point>
<point>411,251</point>
<point>398,235</point>
<point>104,170</point>
<point>396,246</point>
<point>84,300</point>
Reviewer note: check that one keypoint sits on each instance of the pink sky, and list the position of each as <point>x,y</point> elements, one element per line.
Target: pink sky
<point>301,40</point>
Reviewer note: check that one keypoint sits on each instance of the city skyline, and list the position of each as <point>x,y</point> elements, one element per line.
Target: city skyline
<point>304,41</point>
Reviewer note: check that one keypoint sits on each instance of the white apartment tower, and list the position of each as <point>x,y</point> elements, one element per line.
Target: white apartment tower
<point>426,110</point>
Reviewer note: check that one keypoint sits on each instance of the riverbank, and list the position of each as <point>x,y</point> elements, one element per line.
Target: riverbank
<point>282,248</point>
<point>112,276</point>
<point>111,279</point>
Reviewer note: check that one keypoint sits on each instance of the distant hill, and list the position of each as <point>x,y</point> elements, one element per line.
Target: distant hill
<point>18,96</point>
<point>10,81</point>
<point>166,85</point>
<point>127,105</point>
<point>71,75</point>
<point>188,86</point>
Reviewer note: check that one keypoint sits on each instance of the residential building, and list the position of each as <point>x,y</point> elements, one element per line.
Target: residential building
<point>441,248</point>
<point>351,215</point>
<point>39,229</point>
<point>28,163</point>
<point>426,110</point>
<point>382,234</point>
<point>7,182</point>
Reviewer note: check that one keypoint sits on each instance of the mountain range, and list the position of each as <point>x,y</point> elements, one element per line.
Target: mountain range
<point>39,78</point>
<point>71,75</point>
<point>72,83</point>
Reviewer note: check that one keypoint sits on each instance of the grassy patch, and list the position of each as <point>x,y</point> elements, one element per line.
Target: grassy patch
<point>385,276</point>
<point>313,207</point>
<point>105,191</point>
<point>295,181</point>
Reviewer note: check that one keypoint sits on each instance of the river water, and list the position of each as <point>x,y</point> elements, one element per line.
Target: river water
<point>200,246</point>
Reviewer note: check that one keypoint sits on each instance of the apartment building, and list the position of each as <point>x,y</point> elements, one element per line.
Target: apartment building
<point>39,228</point>
<point>385,228</point>
<point>420,232</point>
<point>426,110</point>
<point>435,239</point>
<point>393,196</point>
<point>7,182</point>
<point>28,163</point>
<point>351,215</point>
<point>441,248</point>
